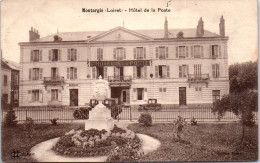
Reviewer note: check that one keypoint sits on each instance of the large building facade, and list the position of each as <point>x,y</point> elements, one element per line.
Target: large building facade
<point>176,66</point>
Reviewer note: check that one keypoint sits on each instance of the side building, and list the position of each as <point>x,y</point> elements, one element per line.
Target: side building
<point>182,67</point>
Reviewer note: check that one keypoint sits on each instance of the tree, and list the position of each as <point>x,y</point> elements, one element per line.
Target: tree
<point>243,105</point>
<point>243,76</point>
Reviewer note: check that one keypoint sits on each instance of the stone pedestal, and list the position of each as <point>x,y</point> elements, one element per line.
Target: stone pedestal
<point>100,118</point>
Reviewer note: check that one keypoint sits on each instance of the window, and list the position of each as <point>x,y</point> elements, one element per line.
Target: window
<point>197,69</point>
<point>119,53</point>
<point>215,95</point>
<point>35,74</point>
<point>54,54</point>
<point>99,54</point>
<point>139,53</point>
<point>141,72</point>
<point>197,50</point>
<point>215,70</point>
<point>182,51</point>
<point>35,55</point>
<point>72,73</point>
<point>54,72</point>
<point>72,54</point>
<point>35,95</point>
<point>140,93</point>
<point>183,71</point>
<point>5,80</point>
<point>15,80</point>
<point>162,71</point>
<point>15,94</point>
<point>215,51</point>
<point>54,95</point>
<point>162,52</point>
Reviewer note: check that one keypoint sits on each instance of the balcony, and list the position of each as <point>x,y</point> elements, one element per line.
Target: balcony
<point>53,81</point>
<point>120,81</point>
<point>198,78</point>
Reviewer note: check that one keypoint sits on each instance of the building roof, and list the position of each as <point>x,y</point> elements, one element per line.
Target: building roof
<point>10,64</point>
<point>153,33</point>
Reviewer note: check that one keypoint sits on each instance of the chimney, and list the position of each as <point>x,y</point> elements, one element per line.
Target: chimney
<point>222,27</point>
<point>200,28</point>
<point>33,34</point>
<point>166,28</point>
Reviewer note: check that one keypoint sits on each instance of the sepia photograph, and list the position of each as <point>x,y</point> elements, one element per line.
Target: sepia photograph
<point>129,81</point>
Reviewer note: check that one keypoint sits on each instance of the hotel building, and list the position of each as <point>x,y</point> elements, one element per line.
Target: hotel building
<point>182,67</point>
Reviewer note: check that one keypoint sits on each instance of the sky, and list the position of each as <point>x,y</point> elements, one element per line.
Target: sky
<point>48,16</point>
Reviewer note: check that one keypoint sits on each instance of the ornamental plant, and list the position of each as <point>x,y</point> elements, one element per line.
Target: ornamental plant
<point>145,119</point>
<point>178,124</point>
<point>54,121</point>
<point>10,117</point>
<point>29,125</point>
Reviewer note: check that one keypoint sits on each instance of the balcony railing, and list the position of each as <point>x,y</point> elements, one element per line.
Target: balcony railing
<point>198,77</point>
<point>119,78</point>
<point>53,80</point>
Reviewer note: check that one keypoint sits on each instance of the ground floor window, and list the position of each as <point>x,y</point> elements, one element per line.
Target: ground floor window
<point>215,95</point>
<point>140,93</point>
<point>35,95</point>
<point>54,95</point>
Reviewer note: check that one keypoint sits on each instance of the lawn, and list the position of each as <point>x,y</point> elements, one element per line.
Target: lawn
<point>204,142</point>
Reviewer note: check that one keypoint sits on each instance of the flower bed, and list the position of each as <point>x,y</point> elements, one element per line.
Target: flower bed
<point>118,145</point>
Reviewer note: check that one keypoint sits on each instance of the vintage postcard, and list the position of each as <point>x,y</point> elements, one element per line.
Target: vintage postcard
<point>129,80</point>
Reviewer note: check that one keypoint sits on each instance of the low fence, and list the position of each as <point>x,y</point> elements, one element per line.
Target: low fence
<point>43,114</point>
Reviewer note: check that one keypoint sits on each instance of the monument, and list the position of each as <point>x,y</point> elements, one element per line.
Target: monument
<point>100,116</point>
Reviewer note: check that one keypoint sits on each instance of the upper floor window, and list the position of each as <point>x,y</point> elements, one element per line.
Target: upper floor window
<point>162,71</point>
<point>139,53</point>
<point>197,51</point>
<point>15,79</point>
<point>35,73</point>
<point>54,55</point>
<point>140,72</point>
<point>162,52</point>
<point>215,51</point>
<point>215,70</point>
<point>99,54</point>
<point>183,71</point>
<point>54,72</point>
<point>182,51</point>
<point>36,55</point>
<point>5,80</point>
<point>71,73</point>
<point>197,69</point>
<point>119,53</point>
<point>72,54</point>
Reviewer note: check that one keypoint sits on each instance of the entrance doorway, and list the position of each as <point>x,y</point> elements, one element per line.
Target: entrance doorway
<point>73,97</point>
<point>182,96</point>
<point>121,93</point>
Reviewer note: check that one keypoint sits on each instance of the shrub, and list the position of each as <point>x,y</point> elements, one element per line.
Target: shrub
<point>29,125</point>
<point>54,121</point>
<point>193,121</point>
<point>118,130</point>
<point>179,124</point>
<point>145,119</point>
<point>10,117</point>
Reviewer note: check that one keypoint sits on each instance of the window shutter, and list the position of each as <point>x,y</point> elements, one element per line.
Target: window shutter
<point>40,96</point>
<point>134,53</point>
<point>97,55</point>
<point>41,70</point>
<point>187,70</point>
<point>145,94</point>
<point>93,72</point>
<point>145,71</point>
<point>30,74</point>
<point>157,52</point>
<point>168,71</point>
<point>202,51</point>
<point>160,89</point>
<point>68,73</point>
<point>31,55</point>
<point>156,71</point>
<point>187,51</point>
<point>219,54</point>
<point>50,52</point>
<point>40,58</point>
<point>217,70</point>
<point>210,51</point>
<point>114,53</point>
<point>69,54</point>
<point>177,50</point>
<point>164,89</point>
<point>135,93</point>
<point>57,71</point>
<point>59,54</point>
<point>191,51</point>
<point>214,70</point>
<point>134,72</point>
<point>75,73</point>
<point>75,56</point>
<point>180,71</point>
<point>144,53</point>
<point>30,95</point>
<point>167,52</point>
<point>105,72</point>
<point>124,53</point>
<point>59,95</point>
